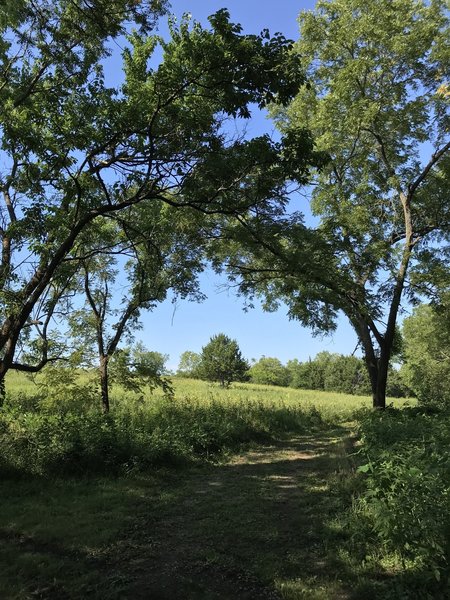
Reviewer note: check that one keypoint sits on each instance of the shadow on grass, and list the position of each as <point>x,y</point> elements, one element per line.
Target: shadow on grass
<point>258,527</point>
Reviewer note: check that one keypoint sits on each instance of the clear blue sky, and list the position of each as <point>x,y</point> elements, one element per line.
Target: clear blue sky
<point>188,326</point>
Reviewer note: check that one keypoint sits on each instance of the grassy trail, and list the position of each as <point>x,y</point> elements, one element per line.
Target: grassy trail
<point>256,527</point>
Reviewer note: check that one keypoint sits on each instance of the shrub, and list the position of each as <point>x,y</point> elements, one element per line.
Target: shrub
<point>269,371</point>
<point>408,486</point>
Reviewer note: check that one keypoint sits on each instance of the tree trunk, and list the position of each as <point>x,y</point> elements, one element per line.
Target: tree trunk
<point>104,382</point>
<point>377,391</point>
<point>383,370</point>
<point>9,347</point>
<point>2,389</point>
<point>377,367</point>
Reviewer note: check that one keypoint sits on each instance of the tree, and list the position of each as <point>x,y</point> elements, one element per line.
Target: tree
<point>426,353</point>
<point>330,372</point>
<point>269,371</point>
<point>189,364</point>
<point>149,363</point>
<point>75,150</point>
<point>377,105</point>
<point>300,375</point>
<point>157,254</point>
<point>222,361</point>
<point>346,374</point>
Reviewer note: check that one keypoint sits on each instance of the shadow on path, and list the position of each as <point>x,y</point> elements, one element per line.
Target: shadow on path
<point>255,528</point>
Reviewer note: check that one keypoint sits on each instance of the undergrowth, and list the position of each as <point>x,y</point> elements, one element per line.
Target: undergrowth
<point>134,436</point>
<point>401,513</point>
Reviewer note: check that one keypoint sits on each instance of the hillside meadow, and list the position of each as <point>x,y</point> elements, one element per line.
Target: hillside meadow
<point>331,405</point>
<point>59,415</point>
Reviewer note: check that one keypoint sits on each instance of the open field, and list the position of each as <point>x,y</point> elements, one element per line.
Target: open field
<point>333,405</point>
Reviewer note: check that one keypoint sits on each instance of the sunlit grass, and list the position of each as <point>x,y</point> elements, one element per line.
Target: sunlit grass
<point>331,405</point>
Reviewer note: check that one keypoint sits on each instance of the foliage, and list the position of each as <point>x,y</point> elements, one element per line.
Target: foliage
<point>189,364</point>
<point>222,361</point>
<point>159,256</point>
<point>76,152</point>
<point>138,370</point>
<point>339,373</point>
<point>64,389</point>
<point>426,352</point>
<point>407,495</point>
<point>148,363</point>
<point>162,432</point>
<point>269,371</point>
<point>372,104</point>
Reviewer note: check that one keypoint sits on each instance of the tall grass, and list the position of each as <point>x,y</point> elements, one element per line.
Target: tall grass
<point>65,433</point>
<point>58,427</point>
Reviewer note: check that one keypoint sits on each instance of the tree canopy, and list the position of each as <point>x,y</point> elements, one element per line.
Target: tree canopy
<point>189,364</point>
<point>269,371</point>
<point>222,361</point>
<point>75,150</point>
<point>376,105</point>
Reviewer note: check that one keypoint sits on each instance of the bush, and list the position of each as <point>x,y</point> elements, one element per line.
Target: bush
<point>269,371</point>
<point>426,351</point>
<point>407,491</point>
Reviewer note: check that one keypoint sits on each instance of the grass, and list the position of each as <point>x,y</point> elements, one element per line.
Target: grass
<point>241,529</point>
<point>265,516</point>
<point>333,405</point>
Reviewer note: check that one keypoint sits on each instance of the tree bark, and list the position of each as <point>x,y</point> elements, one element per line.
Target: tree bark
<point>2,389</point>
<point>379,399</point>
<point>104,382</point>
<point>377,366</point>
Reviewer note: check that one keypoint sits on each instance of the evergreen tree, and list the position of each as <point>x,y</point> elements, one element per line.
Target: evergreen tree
<point>222,361</point>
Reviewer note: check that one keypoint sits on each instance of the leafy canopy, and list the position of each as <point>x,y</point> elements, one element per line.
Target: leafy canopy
<point>75,150</point>
<point>269,371</point>
<point>375,106</point>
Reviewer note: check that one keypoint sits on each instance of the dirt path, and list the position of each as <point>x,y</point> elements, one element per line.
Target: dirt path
<point>256,528</point>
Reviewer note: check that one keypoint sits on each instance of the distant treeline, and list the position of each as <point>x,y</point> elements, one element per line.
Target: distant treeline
<point>328,371</point>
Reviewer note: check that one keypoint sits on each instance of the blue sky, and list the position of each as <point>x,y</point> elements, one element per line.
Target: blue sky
<point>172,329</point>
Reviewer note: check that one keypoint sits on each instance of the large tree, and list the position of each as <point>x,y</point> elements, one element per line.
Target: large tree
<point>377,104</point>
<point>74,150</point>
